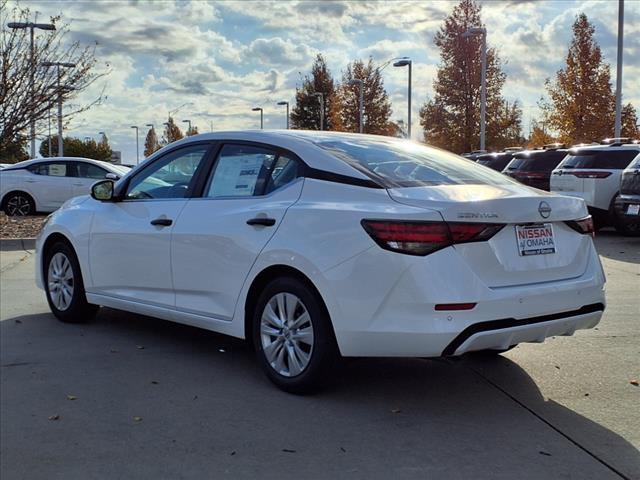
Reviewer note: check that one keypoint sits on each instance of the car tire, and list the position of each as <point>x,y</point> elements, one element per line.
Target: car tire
<point>64,287</point>
<point>293,336</point>
<point>18,204</point>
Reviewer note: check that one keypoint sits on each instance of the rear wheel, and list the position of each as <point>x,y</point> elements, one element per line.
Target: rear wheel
<point>64,286</point>
<point>19,204</point>
<point>293,337</point>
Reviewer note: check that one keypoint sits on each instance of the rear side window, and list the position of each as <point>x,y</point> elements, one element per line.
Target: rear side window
<point>407,164</point>
<point>606,159</point>
<point>50,169</point>
<point>89,170</point>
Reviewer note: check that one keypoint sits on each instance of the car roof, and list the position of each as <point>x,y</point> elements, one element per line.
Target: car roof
<point>34,161</point>
<point>304,143</point>
<point>609,148</point>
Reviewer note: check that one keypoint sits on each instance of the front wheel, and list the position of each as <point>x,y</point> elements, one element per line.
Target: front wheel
<point>19,204</point>
<point>64,286</point>
<point>293,337</point>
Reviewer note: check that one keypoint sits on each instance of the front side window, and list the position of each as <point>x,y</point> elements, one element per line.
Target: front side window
<point>89,170</point>
<point>242,171</point>
<point>171,176</point>
<point>407,164</point>
<point>50,169</point>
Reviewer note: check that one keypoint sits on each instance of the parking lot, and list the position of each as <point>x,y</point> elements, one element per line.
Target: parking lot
<point>128,396</point>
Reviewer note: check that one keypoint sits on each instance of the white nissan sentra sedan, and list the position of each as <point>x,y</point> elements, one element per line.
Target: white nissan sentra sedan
<point>313,245</point>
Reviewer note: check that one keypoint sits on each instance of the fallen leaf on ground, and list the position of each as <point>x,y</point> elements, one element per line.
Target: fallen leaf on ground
<point>54,417</point>
<point>155,382</point>
<point>233,453</point>
<point>71,397</point>
<point>137,419</point>
<point>288,450</point>
<point>343,450</point>
<point>634,382</point>
<point>586,394</point>
<point>546,454</point>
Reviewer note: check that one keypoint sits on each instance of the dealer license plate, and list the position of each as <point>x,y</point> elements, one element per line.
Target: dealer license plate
<point>535,239</point>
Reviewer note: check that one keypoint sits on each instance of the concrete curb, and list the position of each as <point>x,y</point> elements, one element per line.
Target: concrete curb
<point>10,244</point>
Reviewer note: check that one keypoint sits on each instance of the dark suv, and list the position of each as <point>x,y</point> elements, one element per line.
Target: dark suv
<point>496,161</point>
<point>627,203</point>
<point>534,167</point>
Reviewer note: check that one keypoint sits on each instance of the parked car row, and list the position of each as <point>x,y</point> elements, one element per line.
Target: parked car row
<point>593,172</point>
<point>43,185</point>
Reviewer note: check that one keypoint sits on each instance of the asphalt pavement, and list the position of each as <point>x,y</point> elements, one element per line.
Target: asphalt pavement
<point>127,396</point>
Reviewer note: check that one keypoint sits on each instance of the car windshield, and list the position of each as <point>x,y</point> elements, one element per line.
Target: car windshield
<point>408,164</point>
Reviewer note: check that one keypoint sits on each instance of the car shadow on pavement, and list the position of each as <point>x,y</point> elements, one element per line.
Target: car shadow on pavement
<point>618,247</point>
<point>132,396</point>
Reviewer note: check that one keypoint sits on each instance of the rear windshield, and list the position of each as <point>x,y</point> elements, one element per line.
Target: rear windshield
<point>407,164</point>
<point>497,161</point>
<point>612,160</point>
<point>537,162</point>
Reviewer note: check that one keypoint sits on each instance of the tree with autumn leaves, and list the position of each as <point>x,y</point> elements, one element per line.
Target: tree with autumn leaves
<point>581,103</point>
<point>451,119</point>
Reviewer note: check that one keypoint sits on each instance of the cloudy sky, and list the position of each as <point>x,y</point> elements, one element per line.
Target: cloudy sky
<point>223,58</point>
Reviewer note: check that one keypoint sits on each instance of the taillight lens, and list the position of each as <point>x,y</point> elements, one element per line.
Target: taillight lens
<point>530,174</point>
<point>584,225</point>
<point>590,174</point>
<point>423,238</point>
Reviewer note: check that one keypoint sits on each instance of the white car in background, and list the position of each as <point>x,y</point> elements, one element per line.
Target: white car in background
<point>43,185</point>
<point>593,173</point>
<point>311,245</point>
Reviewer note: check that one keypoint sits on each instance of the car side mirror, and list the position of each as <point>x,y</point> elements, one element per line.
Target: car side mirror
<point>102,191</point>
<point>112,176</point>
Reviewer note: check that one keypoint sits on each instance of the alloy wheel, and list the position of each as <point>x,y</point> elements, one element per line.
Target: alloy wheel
<point>60,281</point>
<point>286,333</point>
<point>18,205</point>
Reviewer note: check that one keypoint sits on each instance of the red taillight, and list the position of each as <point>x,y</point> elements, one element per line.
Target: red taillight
<point>530,174</point>
<point>584,225</point>
<point>590,174</point>
<point>423,238</point>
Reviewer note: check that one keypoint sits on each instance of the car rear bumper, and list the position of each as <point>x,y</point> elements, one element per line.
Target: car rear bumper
<point>395,316</point>
<point>622,207</point>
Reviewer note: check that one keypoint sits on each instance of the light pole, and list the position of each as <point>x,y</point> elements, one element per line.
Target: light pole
<point>405,63</point>
<point>483,93</point>
<point>360,84</point>
<point>619,70</point>
<point>189,130</point>
<point>104,136</point>
<point>59,88</point>
<point>259,109</point>
<point>137,148</point>
<point>31,26</point>
<point>287,104</point>
<point>321,101</point>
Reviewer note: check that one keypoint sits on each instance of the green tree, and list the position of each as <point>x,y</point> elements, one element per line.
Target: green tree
<point>13,151</point>
<point>151,143</point>
<point>451,119</point>
<point>581,102</point>
<point>377,108</point>
<point>75,147</point>
<point>305,114</point>
<point>172,132</point>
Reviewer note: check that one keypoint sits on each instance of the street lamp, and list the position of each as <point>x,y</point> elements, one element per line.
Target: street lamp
<point>407,63</point>
<point>287,104</point>
<point>258,109</point>
<point>360,83</point>
<point>321,100</point>
<point>59,88</point>
<point>473,31</point>
<point>189,130</point>
<point>618,120</point>
<point>137,148</point>
<point>149,125</point>
<point>31,26</point>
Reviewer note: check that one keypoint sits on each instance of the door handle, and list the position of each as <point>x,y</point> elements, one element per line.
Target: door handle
<point>31,181</point>
<point>161,222</point>
<point>264,221</point>
<point>78,184</point>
